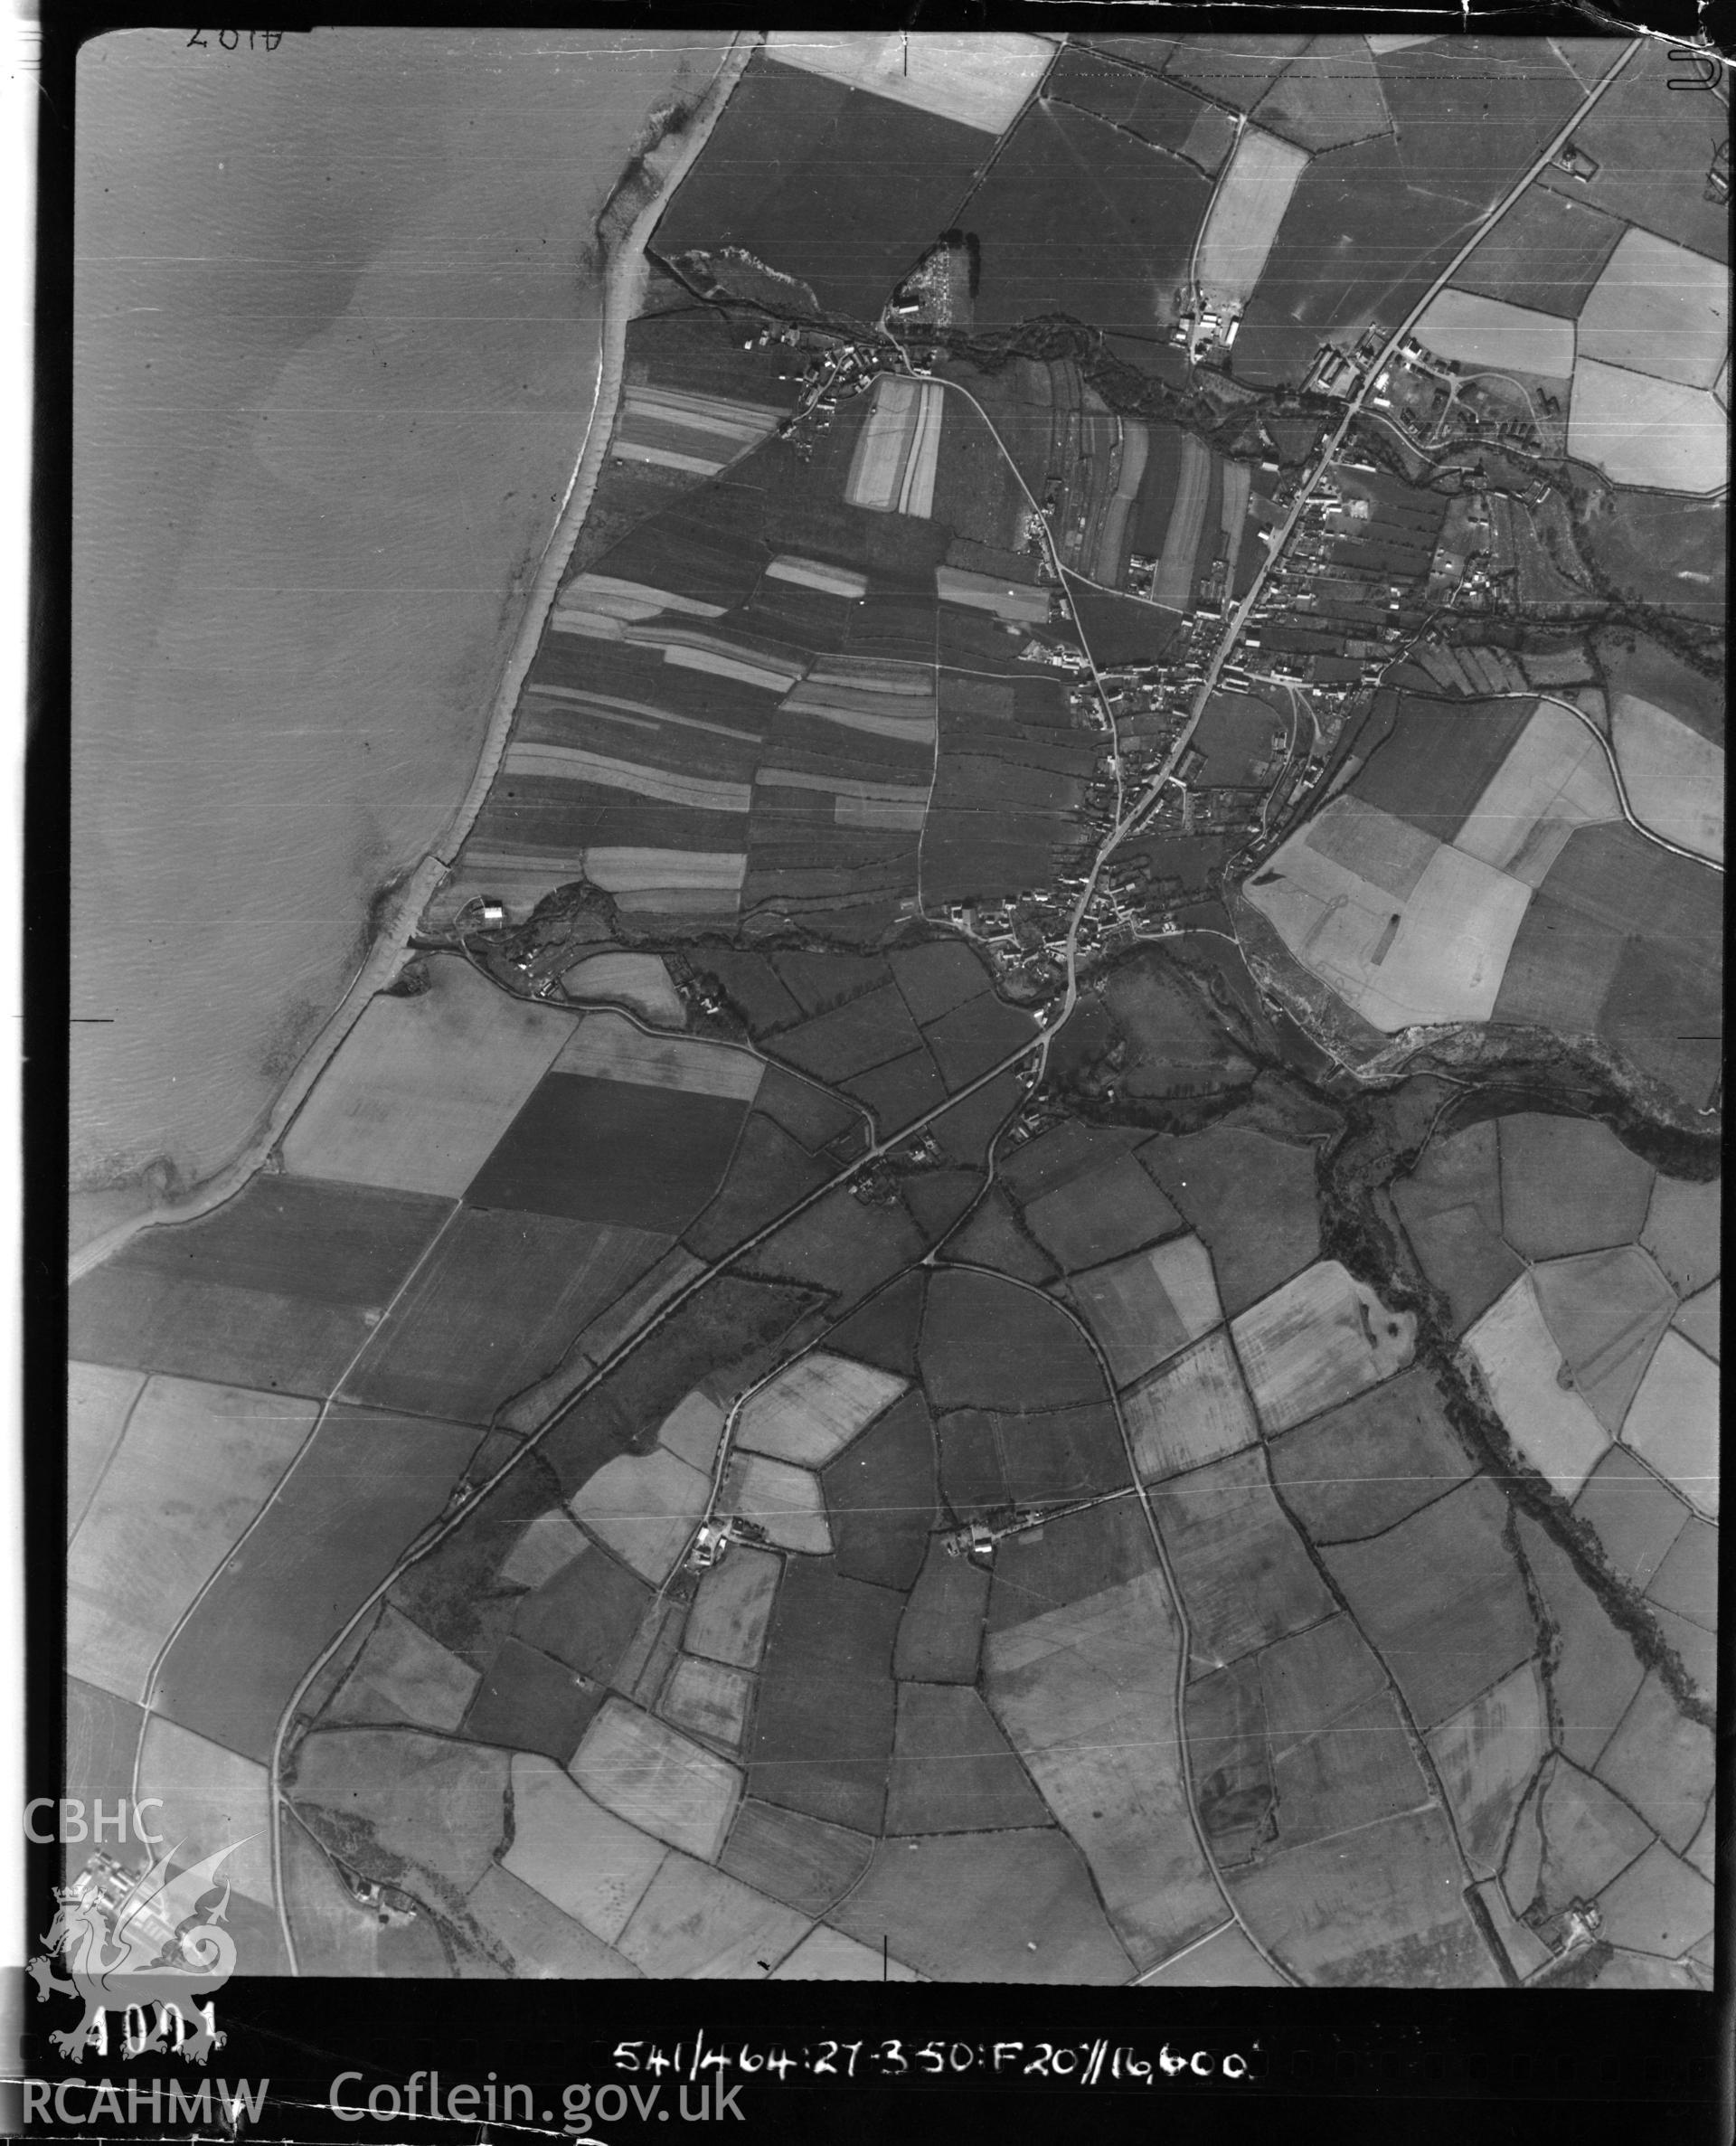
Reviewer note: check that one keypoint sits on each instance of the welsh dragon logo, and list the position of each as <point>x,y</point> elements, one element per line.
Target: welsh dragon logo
<point>136,1939</point>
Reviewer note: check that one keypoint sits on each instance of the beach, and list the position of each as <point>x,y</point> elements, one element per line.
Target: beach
<point>338,348</point>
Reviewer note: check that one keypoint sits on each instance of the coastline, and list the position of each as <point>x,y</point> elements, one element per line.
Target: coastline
<point>623,284</point>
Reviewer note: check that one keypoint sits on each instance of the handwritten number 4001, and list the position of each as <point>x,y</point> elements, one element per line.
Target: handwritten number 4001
<point>229,40</point>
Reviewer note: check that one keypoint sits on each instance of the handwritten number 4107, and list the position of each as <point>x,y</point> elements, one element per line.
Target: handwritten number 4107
<point>229,40</point>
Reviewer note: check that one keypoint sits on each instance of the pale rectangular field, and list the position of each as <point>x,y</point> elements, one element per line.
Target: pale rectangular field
<point>1674,1420</point>
<point>1554,779</point>
<point>574,764</point>
<point>810,1412</point>
<point>1173,579</point>
<point>1550,1423</point>
<point>639,980</point>
<point>901,814</point>
<point>423,1088</point>
<point>979,78</point>
<point>656,1778</point>
<point>691,1431</point>
<point>707,1698</point>
<point>1316,1341</point>
<point>98,1400</point>
<point>1388,852</point>
<point>543,1944</point>
<point>645,1507</point>
<point>898,450</point>
<point>867,706</point>
<point>1701,1319</point>
<point>1146,1307</point>
<point>1489,334</point>
<point>827,1955</point>
<point>1658,309</point>
<point>785,1501</point>
<point>1654,433</point>
<point>1675,778</point>
<point>196,1464</point>
<point>1016,602</point>
<point>732,1607</point>
<point>211,1800</point>
<point>609,1047</point>
<point>1135,448</point>
<point>1196,1409</point>
<point>697,1923</point>
<point>590,1864</point>
<point>1247,210</point>
<point>815,573</point>
<point>630,868</point>
<point>403,1674</point>
<point>632,600</point>
<point>1486,1755</point>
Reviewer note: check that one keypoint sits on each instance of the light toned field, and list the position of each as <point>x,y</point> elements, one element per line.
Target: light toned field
<point>574,764</point>
<point>979,79</point>
<point>1316,1342</point>
<point>1440,957</point>
<point>1606,1310</point>
<point>1174,582</point>
<point>196,1464</point>
<point>1136,446</point>
<point>814,573</point>
<point>607,592</point>
<point>1246,211</point>
<point>333,1934</point>
<point>690,648</point>
<point>1654,433</point>
<point>1196,1409</point>
<point>811,1411</point>
<point>907,717</point>
<point>609,1047</point>
<point>543,1944</point>
<point>785,1501</point>
<point>902,815</point>
<point>1487,334</point>
<point>1486,1755</point>
<point>1086,1695</point>
<point>691,1431</point>
<point>212,1800</point>
<point>1552,1424</point>
<point>656,1778</point>
<point>912,796</point>
<point>1675,778</point>
<point>1226,1960</point>
<point>1658,309</point>
<point>1391,1915</point>
<point>694,1922</point>
<point>590,1863</point>
<point>1660,1904</point>
<point>403,1674</point>
<point>1700,1319</point>
<point>1554,779</point>
<point>1146,1307</point>
<point>708,1700</point>
<point>639,980</point>
<point>632,870</point>
<point>1674,1420</point>
<point>732,1606</point>
<point>645,1507</point>
<point>1242,1567</point>
<point>1114,1207</point>
<point>1683,1231</point>
<point>548,1546</point>
<point>826,1955</point>
<point>1016,601</point>
<point>423,1087</point>
<point>1568,1185</point>
<point>98,1400</point>
<point>700,434</point>
<point>898,450</point>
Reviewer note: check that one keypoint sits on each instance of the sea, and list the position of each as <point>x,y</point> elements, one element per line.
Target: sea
<point>337,333</point>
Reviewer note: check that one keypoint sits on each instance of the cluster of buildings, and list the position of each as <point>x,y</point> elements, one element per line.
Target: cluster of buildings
<point>1206,331</point>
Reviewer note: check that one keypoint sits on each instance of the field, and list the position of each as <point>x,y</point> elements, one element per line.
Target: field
<point>540,1943</point>
<point>1461,1255</point>
<point>840,1245</point>
<point>1652,433</point>
<point>708,1700</point>
<point>812,1410</point>
<point>1683,1232</point>
<point>1226,1960</point>
<point>423,1087</point>
<point>980,81</point>
<point>952,1770</point>
<point>101,1743</point>
<point>692,1431</point>
<point>1675,778</point>
<point>1660,309</point>
<point>211,1800</point>
<point>657,1780</point>
<point>333,1934</point>
<point>644,1508</point>
<point>585,1861</point>
<point>497,1305</point>
<point>1371,1462</point>
<point>1486,1756</point>
<point>1568,1184</point>
<point>768,1174</point>
<point>1146,1307</point>
<point>1477,333</point>
<point>1660,548</point>
<point>1247,211</point>
<point>1244,1572</point>
<point>528,1701</point>
<point>639,980</point>
<point>696,1922</point>
<point>1662,1763</point>
<point>365,1486</point>
<point>1594,1671</point>
<point>1235,733</point>
<point>938,976</point>
<point>1160,112</point>
<point>1250,1198</point>
<point>609,1047</point>
<point>1659,1906</point>
<point>991,1344</point>
<point>1442,1642</point>
<point>194,1466</point>
<point>1606,1310</point>
<point>880,1498</point>
<point>1701,1318</point>
<point>976,1035</point>
<point>822,1734</point>
<point>1674,1420</point>
<point>1316,1342</point>
<point>898,448</point>
<point>987,1907</point>
<point>1585,1836</point>
<point>1085,1693</point>
<point>585,1615</point>
<point>1194,1410</point>
<point>99,1401</point>
<point>1550,1423</point>
<point>1438,759</point>
<point>1553,779</point>
<point>1546,252</point>
<point>828,1956</point>
<point>1327,96</point>
<point>940,1634</point>
<point>401,1675</point>
<point>1174,583</point>
<point>732,1607</point>
<point>796,1859</point>
<point>698,435</point>
<point>990,1459</point>
<point>1389,1916</point>
<point>867,1031</point>
<point>884,1331</point>
<point>1113,1208</point>
<point>1635,1518</point>
<point>1236,70</point>
<point>278,1288</point>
